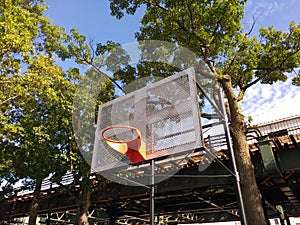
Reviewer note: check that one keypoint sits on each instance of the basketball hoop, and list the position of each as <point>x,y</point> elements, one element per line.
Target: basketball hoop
<point>154,122</point>
<point>134,149</point>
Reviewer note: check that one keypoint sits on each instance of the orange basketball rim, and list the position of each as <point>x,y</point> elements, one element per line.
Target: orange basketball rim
<point>134,149</point>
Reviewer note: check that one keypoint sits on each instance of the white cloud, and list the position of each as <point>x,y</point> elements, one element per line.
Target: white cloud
<point>271,12</point>
<point>267,92</point>
<point>264,8</point>
<point>271,102</point>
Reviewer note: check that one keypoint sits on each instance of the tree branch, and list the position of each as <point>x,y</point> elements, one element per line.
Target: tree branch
<point>212,68</point>
<point>110,78</point>
<point>213,36</point>
<point>189,31</point>
<point>268,71</point>
<point>91,45</point>
<point>156,4</point>
<point>191,16</point>
<point>240,95</point>
<point>7,100</point>
<point>252,26</point>
<point>239,51</point>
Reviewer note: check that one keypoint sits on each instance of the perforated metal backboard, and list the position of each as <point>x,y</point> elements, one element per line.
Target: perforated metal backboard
<point>166,113</point>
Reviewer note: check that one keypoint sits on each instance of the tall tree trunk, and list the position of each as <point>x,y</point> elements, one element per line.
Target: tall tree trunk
<point>84,202</point>
<point>35,202</point>
<point>251,195</point>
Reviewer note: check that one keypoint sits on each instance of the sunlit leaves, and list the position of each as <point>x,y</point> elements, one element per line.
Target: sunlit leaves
<point>35,94</point>
<point>280,55</point>
<point>212,29</point>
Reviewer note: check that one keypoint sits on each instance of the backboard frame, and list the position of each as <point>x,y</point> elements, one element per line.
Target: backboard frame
<point>142,116</point>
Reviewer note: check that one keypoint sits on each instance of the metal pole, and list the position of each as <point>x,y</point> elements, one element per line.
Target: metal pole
<point>235,170</point>
<point>48,221</point>
<point>152,182</point>
<point>288,222</point>
<point>152,192</point>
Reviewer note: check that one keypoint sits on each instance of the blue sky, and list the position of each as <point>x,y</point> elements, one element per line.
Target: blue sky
<point>272,102</point>
<point>263,102</point>
<point>92,18</point>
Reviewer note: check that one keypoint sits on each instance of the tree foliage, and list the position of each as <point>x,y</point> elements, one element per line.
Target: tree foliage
<point>212,29</point>
<point>36,100</point>
<point>94,88</point>
<point>35,92</point>
<point>35,96</point>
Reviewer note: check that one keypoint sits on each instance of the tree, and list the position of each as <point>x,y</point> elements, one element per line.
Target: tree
<point>84,133</point>
<point>94,88</point>
<point>35,96</point>
<point>36,101</point>
<point>212,29</point>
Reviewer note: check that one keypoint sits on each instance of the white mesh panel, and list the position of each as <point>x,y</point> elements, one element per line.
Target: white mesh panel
<point>166,113</point>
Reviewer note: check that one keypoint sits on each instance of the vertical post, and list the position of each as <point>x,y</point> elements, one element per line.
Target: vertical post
<point>265,211</point>
<point>287,219</point>
<point>281,221</point>
<point>48,221</point>
<point>152,192</point>
<point>13,208</point>
<point>235,170</point>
